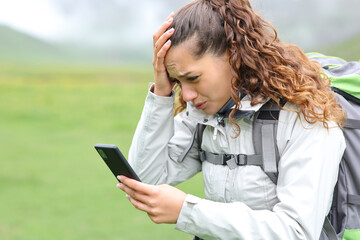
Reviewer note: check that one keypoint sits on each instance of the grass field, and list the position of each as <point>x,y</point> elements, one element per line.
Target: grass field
<point>53,185</point>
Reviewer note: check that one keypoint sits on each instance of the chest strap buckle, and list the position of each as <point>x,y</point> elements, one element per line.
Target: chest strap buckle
<point>234,160</point>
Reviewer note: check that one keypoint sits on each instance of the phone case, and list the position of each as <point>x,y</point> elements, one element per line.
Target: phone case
<point>115,161</point>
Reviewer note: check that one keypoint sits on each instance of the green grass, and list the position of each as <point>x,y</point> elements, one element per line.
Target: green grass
<point>53,184</point>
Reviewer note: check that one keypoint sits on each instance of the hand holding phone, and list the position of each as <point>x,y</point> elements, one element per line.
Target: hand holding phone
<point>115,160</point>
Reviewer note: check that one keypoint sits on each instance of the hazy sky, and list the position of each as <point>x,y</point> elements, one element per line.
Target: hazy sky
<point>132,23</point>
<point>100,22</point>
<point>38,17</point>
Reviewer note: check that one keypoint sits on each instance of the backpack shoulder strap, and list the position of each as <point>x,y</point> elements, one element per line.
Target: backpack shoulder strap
<point>329,230</point>
<point>264,138</point>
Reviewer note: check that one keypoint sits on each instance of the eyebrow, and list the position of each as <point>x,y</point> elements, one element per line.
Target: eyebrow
<point>184,75</point>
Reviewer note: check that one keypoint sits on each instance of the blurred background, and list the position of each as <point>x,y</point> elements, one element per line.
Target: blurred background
<point>75,73</point>
<point>119,31</point>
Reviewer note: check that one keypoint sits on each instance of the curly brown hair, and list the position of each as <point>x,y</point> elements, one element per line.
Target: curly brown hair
<point>262,65</point>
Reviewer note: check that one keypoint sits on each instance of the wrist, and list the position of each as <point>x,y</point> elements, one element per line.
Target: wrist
<point>160,93</point>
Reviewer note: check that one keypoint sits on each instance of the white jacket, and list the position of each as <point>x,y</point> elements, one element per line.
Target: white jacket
<point>242,203</point>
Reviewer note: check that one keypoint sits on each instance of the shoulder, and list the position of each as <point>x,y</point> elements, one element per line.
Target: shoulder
<point>292,125</point>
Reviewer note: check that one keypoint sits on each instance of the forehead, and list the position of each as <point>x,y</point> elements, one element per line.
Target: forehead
<point>179,59</point>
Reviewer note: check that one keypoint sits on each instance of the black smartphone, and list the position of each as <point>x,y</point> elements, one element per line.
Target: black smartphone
<point>116,161</point>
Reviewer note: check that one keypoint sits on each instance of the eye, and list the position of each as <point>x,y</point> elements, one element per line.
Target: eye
<point>174,80</point>
<point>192,78</point>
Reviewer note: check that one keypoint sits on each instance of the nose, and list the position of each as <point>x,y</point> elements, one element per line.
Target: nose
<point>188,92</point>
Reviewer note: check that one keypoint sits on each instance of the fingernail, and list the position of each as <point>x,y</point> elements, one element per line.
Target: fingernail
<point>170,20</point>
<point>119,177</point>
<point>171,30</point>
<point>168,42</point>
<point>127,196</point>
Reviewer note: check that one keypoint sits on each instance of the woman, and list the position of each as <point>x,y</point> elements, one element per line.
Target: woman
<point>217,51</point>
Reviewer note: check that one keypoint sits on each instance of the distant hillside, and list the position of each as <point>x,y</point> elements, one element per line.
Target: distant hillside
<point>348,50</point>
<point>19,47</point>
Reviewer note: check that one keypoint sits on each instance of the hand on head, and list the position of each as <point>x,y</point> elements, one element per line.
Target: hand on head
<point>161,43</point>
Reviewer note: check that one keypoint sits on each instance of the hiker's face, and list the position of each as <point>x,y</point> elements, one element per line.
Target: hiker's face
<point>206,82</point>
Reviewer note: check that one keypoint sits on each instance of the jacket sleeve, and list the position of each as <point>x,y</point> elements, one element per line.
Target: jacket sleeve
<point>158,142</point>
<point>308,170</point>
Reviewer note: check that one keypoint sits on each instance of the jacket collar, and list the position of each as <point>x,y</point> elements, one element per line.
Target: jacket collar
<point>246,110</point>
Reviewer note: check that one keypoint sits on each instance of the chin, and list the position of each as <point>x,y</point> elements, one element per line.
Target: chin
<point>210,111</point>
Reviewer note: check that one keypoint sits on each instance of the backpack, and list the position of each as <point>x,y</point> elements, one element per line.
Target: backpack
<point>344,214</point>
<point>343,221</point>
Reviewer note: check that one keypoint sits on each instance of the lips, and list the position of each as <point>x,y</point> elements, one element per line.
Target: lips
<point>200,105</point>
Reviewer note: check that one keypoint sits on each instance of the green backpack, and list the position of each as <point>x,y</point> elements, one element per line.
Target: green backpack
<point>343,221</point>
<point>344,216</point>
<point>345,76</point>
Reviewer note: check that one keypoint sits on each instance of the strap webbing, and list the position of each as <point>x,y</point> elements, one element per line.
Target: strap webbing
<point>265,122</point>
<point>329,230</point>
<point>232,160</point>
<point>268,148</point>
<point>264,139</point>
<point>199,132</point>
<point>186,151</point>
<point>352,123</point>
